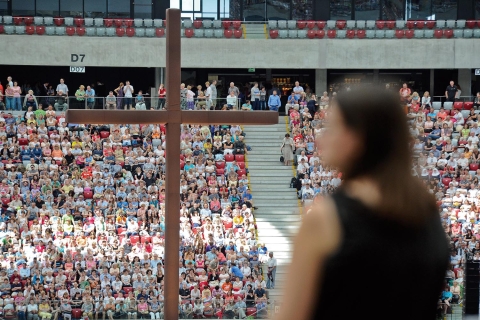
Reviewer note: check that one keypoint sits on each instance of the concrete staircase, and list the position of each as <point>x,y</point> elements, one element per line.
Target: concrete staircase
<point>254,31</point>
<point>278,215</point>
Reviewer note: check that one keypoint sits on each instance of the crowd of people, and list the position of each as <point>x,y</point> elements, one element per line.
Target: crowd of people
<point>82,224</point>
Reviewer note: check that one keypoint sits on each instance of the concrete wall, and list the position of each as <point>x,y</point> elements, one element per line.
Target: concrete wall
<point>244,53</point>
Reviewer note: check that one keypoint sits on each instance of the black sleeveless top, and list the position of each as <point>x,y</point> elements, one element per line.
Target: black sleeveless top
<point>382,270</point>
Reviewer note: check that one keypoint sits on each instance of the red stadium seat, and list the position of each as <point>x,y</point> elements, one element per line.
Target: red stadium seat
<point>17,20</point>
<point>458,105</point>
<point>310,24</point>
<point>467,105</point>
<point>420,24</point>
<point>474,166</point>
<point>226,24</point>
<point>331,33</point>
<point>22,141</point>
<point>410,24</point>
<point>321,24</point>
<point>28,21</point>
<point>380,24</point>
<point>80,31</point>
<point>2,29</point>
<point>409,34</point>
<point>108,22</point>
<point>239,157</point>
<point>134,239</point>
<point>29,30</point>
<point>59,21</point>
<point>390,24</point>
<point>301,24</point>
<point>241,165</point>
<point>273,34</point>
<point>121,230</point>
<point>118,22</point>
<point>228,224</point>
<point>228,33</point>
<point>130,32</point>
<point>5,202</point>
<point>145,239</point>
<point>182,157</point>
<point>220,164</point>
<point>446,181</point>
<point>341,24</point>
<point>430,24</point>
<point>220,172</point>
<point>237,34</point>
<point>160,32</point>
<point>448,33</point>
<point>360,34</point>
<point>104,134</point>
<point>78,22</point>
<point>127,290</point>
<point>182,164</point>
<point>77,313</point>
<point>241,172</point>
<point>350,34</point>
<point>40,30</point>
<point>438,33</point>
<point>70,31</point>
<point>197,24</point>
<point>120,32</point>
<point>237,24</point>
<point>471,24</point>
<point>320,34</point>
<point>128,23</point>
<point>88,194</point>
<point>189,32</point>
<point>251,312</point>
<point>311,34</point>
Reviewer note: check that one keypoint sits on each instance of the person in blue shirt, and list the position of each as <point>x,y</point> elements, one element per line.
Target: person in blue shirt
<point>90,94</point>
<point>274,101</point>
<point>446,298</point>
<point>236,271</point>
<point>292,102</point>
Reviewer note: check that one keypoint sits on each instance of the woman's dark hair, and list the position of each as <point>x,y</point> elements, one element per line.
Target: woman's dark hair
<point>287,135</point>
<point>378,118</point>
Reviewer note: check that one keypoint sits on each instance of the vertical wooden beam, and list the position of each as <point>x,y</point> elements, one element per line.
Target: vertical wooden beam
<point>172,199</point>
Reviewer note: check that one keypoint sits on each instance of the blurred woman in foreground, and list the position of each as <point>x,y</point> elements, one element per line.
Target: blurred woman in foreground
<point>381,221</point>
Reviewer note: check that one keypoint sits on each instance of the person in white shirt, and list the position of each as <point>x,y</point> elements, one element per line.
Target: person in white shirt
<point>473,138</point>
<point>271,271</point>
<point>32,310</point>
<point>208,96</point>
<point>128,95</point>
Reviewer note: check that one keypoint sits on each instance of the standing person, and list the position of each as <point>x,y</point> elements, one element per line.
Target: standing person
<point>9,97</point>
<point>9,81</point>
<point>255,96</point>
<point>298,90</point>
<point>62,86</point>
<point>476,101</point>
<point>120,96</point>
<point>287,149</point>
<point>17,91</point>
<point>128,91</point>
<point>162,93</point>
<point>233,88</point>
<point>213,87</point>
<point>451,91</point>
<point>274,101</point>
<point>90,94</point>
<point>2,93</point>
<point>459,92</point>
<point>79,96</point>
<point>263,97</point>
<point>405,93</point>
<point>271,271</point>
<point>208,96</point>
<point>382,216</point>
<point>232,100</point>
<point>190,98</point>
<point>183,96</point>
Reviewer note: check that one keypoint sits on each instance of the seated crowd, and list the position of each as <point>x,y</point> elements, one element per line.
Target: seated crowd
<point>82,224</point>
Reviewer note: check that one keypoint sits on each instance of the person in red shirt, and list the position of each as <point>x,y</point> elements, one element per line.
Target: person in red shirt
<point>405,93</point>
<point>161,96</point>
<point>442,114</point>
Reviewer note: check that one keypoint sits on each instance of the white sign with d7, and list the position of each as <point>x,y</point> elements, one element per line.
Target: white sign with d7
<point>77,69</point>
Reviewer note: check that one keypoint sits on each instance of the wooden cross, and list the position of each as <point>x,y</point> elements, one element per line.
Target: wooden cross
<point>174,117</point>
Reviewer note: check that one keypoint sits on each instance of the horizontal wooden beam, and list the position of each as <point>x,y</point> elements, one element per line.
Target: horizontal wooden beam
<point>188,117</point>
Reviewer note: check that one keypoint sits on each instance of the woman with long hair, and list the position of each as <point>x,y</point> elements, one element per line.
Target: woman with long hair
<point>381,218</point>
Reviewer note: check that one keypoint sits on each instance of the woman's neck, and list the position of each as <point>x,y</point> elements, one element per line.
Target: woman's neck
<point>364,189</point>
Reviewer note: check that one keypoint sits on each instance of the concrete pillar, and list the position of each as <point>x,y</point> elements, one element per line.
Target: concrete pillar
<point>432,82</point>
<point>320,81</point>
<point>465,81</point>
<point>159,78</point>
<point>375,76</point>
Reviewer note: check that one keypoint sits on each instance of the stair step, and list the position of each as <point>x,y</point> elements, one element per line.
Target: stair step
<point>286,218</point>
